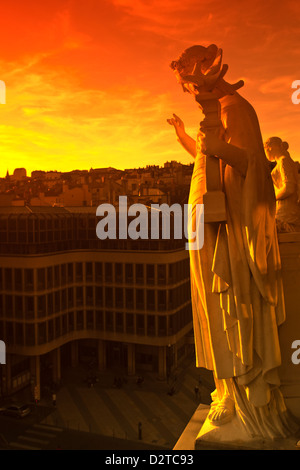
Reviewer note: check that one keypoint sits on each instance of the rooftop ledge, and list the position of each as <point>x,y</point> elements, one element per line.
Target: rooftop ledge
<point>199,434</point>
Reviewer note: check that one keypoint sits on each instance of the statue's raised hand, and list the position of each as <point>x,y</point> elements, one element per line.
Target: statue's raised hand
<point>178,125</point>
<point>188,143</point>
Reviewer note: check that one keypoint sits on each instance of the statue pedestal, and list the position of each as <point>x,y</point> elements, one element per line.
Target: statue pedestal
<point>289,331</point>
<point>231,433</point>
<point>233,436</point>
<point>229,436</point>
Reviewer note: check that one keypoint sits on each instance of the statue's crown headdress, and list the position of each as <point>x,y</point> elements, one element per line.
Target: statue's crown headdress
<point>202,67</point>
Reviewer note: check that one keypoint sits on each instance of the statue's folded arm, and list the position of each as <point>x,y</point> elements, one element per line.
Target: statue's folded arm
<point>232,155</point>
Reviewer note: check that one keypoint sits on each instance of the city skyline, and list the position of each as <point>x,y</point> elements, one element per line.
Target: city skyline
<point>168,183</point>
<point>90,85</point>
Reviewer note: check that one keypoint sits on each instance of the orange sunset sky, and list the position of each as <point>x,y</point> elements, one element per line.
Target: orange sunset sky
<point>88,83</point>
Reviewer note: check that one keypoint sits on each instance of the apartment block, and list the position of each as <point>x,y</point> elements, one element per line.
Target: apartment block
<point>67,297</point>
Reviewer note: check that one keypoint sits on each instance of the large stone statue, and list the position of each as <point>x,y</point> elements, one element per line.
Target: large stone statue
<point>285,179</point>
<point>236,287</point>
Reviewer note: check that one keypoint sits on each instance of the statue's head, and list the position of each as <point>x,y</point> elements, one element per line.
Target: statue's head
<point>199,70</point>
<point>275,147</point>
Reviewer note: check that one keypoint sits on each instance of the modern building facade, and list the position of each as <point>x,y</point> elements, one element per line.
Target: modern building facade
<point>68,297</point>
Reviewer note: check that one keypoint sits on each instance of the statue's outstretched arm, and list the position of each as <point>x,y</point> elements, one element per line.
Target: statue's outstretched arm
<point>189,144</point>
<point>211,145</point>
<point>186,141</point>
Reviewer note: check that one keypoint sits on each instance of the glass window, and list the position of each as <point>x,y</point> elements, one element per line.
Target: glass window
<point>79,296</point>
<point>150,273</point>
<point>57,276</point>
<point>79,272</point>
<point>98,272</point>
<point>119,297</point>
<point>89,295</point>
<point>42,333</point>
<point>63,272</point>
<point>139,273</point>
<point>41,305</point>
<point>64,302</point>
<point>41,279</point>
<point>99,319</point>
<point>171,299</point>
<point>50,303</point>
<point>162,300</point>
<point>140,324</point>
<point>162,326</point>
<point>171,273</point>
<point>28,279</point>
<point>118,272</point>
<point>57,301</point>
<point>129,273</point>
<point>8,278</point>
<point>161,273</point>
<point>70,273</point>
<point>19,328</point>
<point>129,298</point>
<point>50,330</point>
<point>90,319</point>
<point>119,322</point>
<point>139,293</point>
<point>10,332</point>
<point>99,295</point>
<point>151,325</point>
<point>108,272</point>
<point>71,321</point>
<point>29,334</point>
<point>29,307</point>
<point>79,320</point>
<point>129,323</point>
<point>18,279</point>
<point>173,324</point>
<point>109,321</point>
<point>108,297</point>
<point>57,327</point>
<point>18,306</point>
<point>64,324</point>
<point>8,306</point>
<point>150,299</point>
<point>89,272</point>
<point>70,297</point>
<point>49,277</point>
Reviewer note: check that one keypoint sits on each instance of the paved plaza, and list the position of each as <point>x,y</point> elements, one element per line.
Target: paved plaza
<point>149,412</point>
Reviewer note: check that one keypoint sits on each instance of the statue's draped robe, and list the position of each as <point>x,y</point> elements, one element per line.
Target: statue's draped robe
<point>236,287</point>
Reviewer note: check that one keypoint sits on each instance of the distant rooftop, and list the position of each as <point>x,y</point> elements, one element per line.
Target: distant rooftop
<point>46,209</point>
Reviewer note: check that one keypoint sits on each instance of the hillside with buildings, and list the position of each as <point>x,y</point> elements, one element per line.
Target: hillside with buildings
<point>153,184</point>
